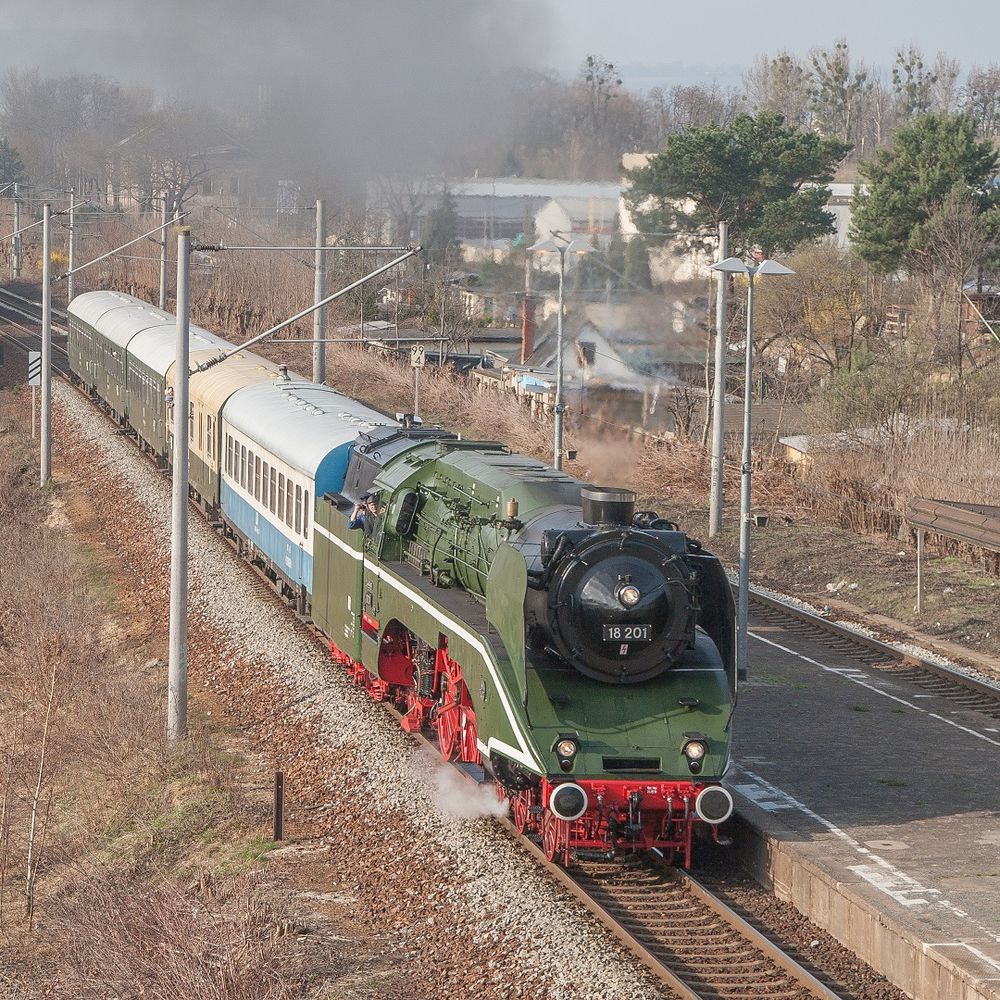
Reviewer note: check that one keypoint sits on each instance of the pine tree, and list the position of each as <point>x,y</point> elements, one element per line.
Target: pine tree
<point>637,263</point>
<point>768,181</point>
<point>440,230</point>
<point>930,157</point>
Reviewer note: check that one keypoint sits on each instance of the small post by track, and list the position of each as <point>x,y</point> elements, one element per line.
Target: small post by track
<point>279,805</point>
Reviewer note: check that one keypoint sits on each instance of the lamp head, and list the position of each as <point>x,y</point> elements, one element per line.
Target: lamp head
<point>773,267</point>
<point>731,265</point>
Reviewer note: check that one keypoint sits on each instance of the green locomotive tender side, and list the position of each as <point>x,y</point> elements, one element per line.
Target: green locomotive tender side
<point>581,652</point>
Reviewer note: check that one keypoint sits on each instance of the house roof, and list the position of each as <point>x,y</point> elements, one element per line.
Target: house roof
<point>597,209</point>
<point>527,187</point>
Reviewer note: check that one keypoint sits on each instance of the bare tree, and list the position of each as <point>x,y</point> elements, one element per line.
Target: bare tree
<point>945,91</point>
<point>175,148</point>
<point>781,84</point>
<point>839,91</point>
<point>400,201</point>
<point>959,240</point>
<point>980,98</point>
<point>601,81</point>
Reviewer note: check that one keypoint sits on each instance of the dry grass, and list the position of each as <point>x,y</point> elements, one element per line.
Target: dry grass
<point>169,944</point>
<point>98,817</point>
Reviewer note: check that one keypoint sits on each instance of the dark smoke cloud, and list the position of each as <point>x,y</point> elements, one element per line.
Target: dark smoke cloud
<point>360,87</point>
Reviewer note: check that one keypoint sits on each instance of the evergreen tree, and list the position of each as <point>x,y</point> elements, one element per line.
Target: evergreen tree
<point>11,165</point>
<point>768,181</point>
<point>637,263</point>
<point>930,157</point>
<point>616,253</point>
<point>440,231</point>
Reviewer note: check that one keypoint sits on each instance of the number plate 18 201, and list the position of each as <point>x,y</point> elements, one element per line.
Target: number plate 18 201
<point>628,633</point>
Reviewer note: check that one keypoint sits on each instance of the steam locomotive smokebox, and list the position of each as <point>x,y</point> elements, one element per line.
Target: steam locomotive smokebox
<point>607,505</point>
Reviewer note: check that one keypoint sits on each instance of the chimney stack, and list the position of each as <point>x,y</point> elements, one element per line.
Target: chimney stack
<point>527,328</point>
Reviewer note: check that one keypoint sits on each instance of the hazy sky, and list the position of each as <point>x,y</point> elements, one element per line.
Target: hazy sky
<point>653,42</point>
<point>666,41</point>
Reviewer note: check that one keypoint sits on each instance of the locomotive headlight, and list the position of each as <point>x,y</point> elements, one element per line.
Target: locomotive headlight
<point>629,595</point>
<point>694,750</point>
<point>566,748</point>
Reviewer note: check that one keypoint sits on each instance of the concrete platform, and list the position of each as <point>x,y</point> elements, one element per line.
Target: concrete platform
<point>876,811</point>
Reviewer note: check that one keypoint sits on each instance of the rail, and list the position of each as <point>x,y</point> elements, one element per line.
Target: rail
<point>947,681</point>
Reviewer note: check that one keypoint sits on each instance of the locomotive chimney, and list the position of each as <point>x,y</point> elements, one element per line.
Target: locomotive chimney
<point>283,370</point>
<point>607,505</point>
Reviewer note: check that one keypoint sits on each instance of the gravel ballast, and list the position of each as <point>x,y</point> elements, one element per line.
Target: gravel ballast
<point>451,895</point>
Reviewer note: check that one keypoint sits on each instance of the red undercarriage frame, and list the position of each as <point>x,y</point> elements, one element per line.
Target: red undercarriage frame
<point>621,815</point>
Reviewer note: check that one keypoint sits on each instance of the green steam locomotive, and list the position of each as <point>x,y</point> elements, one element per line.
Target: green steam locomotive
<point>579,650</point>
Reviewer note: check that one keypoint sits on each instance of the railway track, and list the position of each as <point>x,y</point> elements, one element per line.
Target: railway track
<point>957,686</point>
<point>25,316</point>
<point>686,936</point>
<point>692,941</point>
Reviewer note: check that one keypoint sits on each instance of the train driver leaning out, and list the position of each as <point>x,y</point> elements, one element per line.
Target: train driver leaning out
<point>364,514</point>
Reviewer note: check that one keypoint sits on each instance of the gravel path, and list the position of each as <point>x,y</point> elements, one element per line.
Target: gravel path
<point>450,894</point>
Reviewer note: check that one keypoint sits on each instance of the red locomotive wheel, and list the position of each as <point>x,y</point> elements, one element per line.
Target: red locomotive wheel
<point>550,836</point>
<point>521,813</point>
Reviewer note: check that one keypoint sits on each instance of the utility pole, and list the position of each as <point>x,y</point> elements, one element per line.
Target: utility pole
<point>177,664</point>
<point>16,254</point>
<point>71,249</point>
<point>361,335</point>
<point>557,441</point>
<point>164,218</point>
<point>719,389</point>
<point>319,290</point>
<point>45,471</point>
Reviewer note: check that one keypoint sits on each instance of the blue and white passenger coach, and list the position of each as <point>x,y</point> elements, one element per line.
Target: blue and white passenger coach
<point>285,443</point>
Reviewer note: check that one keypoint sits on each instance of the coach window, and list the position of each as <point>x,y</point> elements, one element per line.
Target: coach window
<point>255,486</point>
<point>229,455</point>
<point>305,515</point>
<point>243,466</point>
<point>201,430</point>
<point>273,488</point>
<point>263,483</point>
<point>191,421</point>
<point>288,502</point>
<point>298,510</point>
<point>281,496</point>
<point>210,439</point>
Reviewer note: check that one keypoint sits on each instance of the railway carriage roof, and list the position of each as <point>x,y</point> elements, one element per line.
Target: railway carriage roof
<point>156,346</point>
<point>214,386</point>
<point>146,331</point>
<point>299,422</point>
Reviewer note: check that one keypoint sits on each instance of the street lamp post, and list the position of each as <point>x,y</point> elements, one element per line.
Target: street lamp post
<point>560,245</point>
<point>733,265</point>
